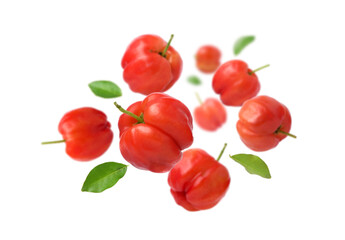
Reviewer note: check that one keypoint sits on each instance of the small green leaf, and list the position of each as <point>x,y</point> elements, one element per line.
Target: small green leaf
<point>194,80</point>
<point>105,89</point>
<point>253,164</point>
<point>104,176</point>
<point>242,42</point>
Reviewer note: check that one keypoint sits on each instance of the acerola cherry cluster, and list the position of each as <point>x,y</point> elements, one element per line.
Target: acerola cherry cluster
<point>155,131</point>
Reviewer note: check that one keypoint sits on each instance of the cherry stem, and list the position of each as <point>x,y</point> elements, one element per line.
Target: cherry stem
<point>286,133</point>
<point>138,118</point>
<point>167,46</point>
<point>198,97</point>
<point>52,142</point>
<point>258,69</point>
<point>221,152</point>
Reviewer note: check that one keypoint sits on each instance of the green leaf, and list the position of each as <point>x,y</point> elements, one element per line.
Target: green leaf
<point>104,176</point>
<point>253,164</point>
<point>194,80</point>
<point>105,89</point>
<point>242,42</point>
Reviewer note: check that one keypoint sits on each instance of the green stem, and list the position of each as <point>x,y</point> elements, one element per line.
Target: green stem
<point>286,133</point>
<point>221,153</point>
<point>52,142</point>
<point>139,119</point>
<point>167,46</point>
<point>258,69</point>
<point>198,97</point>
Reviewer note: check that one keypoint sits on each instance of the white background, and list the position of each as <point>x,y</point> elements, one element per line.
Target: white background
<point>51,50</point>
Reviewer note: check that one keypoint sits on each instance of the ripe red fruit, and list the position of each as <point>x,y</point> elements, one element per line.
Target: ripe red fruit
<point>153,132</point>
<point>210,115</point>
<point>235,82</point>
<point>151,65</point>
<point>208,58</point>
<point>86,132</point>
<point>263,123</point>
<point>198,181</point>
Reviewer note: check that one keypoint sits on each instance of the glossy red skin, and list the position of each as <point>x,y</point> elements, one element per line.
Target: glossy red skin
<point>234,83</point>
<point>145,70</point>
<point>208,58</point>
<point>210,115</point>
<point>156,144</point>
<point>259,119</point>
<point>86,132</point>
<point>198,181</point>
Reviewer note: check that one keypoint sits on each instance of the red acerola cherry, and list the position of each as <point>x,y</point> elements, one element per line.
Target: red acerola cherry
<point>263,123</point>
<point>86,132</point>
<point>153,132</point>
<point>198,181</point>
<point>151,65</point>
<point>208,58</point>
<point>210,115</point>
<point>235,82</point>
